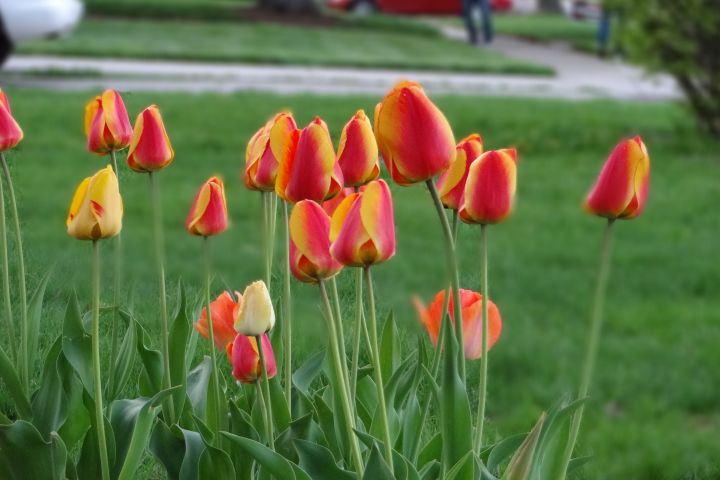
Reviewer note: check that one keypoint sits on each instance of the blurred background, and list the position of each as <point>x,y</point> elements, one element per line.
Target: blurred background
<point>562,81</point>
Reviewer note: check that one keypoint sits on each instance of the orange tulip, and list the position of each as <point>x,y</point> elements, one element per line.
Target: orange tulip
<point>363,227</point>
<point>490,187</point>
<point>107,125</point>
<point>10,131</point>
<point>261,166</point>
<point>245,358</point>
<point>471,318</point>
<point>222,311</point>
<point>331,205</point>
<point>358,151</point>
<point>451,184</point>
<point>621,189</point>
<point>208,215</point>
<point>150,149</point>
<point>414,137</point>
<point>308,169</point>
<point>310,258</point>
<point>96,209</point>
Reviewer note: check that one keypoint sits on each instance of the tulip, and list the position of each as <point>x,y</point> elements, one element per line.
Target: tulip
<point>414,137</point>
<point>150,149</point>
<point>621,189</point>
<point>451,184</point>
<point>256,315</point>
<point>261,166</point>
<point>10,131</point>
<point>308,169</point>
<point>97,208</point>
<point>331,205</point>
<point>208,214</point>
<point>222,312</point>
<point>107,125</point>
<point>358,151</point>
<point>471,303</point>
<point>310,258</point>
<point>363,227</point>
<point>490,187</point>
<point>247,367</point>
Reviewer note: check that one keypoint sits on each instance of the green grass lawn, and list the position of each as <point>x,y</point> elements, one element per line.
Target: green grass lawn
<point>580,34</point>
<point>278,44</point>
<point>654,412</point>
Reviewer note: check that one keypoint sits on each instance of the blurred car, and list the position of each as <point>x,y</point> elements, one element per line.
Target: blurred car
<point>22,20</point>
<point>583,9</point>
<point>418,7</point>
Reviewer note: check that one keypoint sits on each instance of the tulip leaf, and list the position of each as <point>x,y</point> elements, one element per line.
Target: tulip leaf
<point>431,471</point>
<point>460,468</point>
<point>168,448</point>
<point>216,407</point>
<point>178,340</point>
<point>77,421</point>
<point>520,466</point>
<point>280,411</point>
<point>215,463</point>
<point>273,462</point>
<point>198,380</point>
<point>304,376</point>
<point>319,463</point>
<point>152,372</point>
<point>125,359</point>
<point>240,425</point>
<point>577,463</point>
<point>50,403</point>
<point>88,465</point>
<point>34,316</point>
<point>411,427</point>
<point>77,344</point>
<point>404,470</point>
<point>432,451</point>
<point>377,468</point>
<point>389,349</point>
<point>503,450</point>
<point>14,386</point>
<point>24,454</point>
<point>194,447</point>
<point>366,400</point>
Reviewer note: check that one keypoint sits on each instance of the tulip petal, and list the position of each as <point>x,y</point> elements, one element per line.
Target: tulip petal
<point>378,218</point>
<point>490,188</point>
<point>310,242</point>
<point>358,151</point>
<point>313,165</point>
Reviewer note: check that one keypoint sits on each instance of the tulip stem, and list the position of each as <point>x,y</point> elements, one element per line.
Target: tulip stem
<point>359,327</point>
<point>265,404</point>
<point>213,423</point>
<point>375,350</point>
<point>596,319</point>
<point>99,418</point>
<point>116,282</point>
<point>485,333</point>
<point>340,383</point>
<point>287,314</point>
<point>341,332</point>
<point>452,271</point>
<point>26,369</point>
<point>266,203</point>
<point>455,225</point>
<point>160,254</point>
<point>6,278</point>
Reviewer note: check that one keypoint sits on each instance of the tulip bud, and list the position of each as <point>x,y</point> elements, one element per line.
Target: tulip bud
<point>621,189</point>
<point>261,166</point>
<point>331,205</point>
<point>222,312</point>
<point>246,359</point>
<point>310,258</point>
<point>107,125</point>
<point>256,314</point>
<point>362,230</point>
<point>471,320</point>
<point>308,169</point>
<point>10,131</point>
<point>208,214</point>
<point>451,184</point>
<point>150,149</point>
<point>490,187</point>
<point>358,151</point>
<point>414,137</point>
<point>96,209</point>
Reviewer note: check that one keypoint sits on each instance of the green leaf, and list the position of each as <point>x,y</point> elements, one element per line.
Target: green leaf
<point>194,448</point>
<point>319,463</point>
<point>431,471</point>
<point>215,463</point>
<point>77,421</point>
<point>502,450</point>
<point>34,316</point>
<point>577,463</point>
<point>432,451</point>
<point>77,344</point>
<point>461,468</point>
<point>152,373</point>
<point>178,341</point>
<point>521,463</point>
<point>280,411</point>
<point>377,468</point>
<point>169,448</point>
<point>124,361</point>
<point>12,382</point>
<point>389,350</point>
<point>273,462</point>
<point>198,380</point>
<point>25,455</point>
<point>308,371</point>
<point>411,427</point>
<point>50,403</point>
<point>88,465</point>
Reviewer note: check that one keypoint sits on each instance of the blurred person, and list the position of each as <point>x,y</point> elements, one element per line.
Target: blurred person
<point>468,17</point>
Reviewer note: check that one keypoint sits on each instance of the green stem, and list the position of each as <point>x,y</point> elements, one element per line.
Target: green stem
<point>341,332</point>
<point>287,314</point>
<point>213,423</point>
<point>485,333</point>
<point>359,326</point>
<point>266,237</point>
<point>6,280</point>
<point>340,383</point>
<point>26,368</point>
<point>160,254</point>
<point>455,225</point>
<point>117,281</point>
<point>591,351</point>
<point>379,385</point>
<point>452,271</point>
<point>99,418</point>
<point>264,412</point>
<point>266,385</point>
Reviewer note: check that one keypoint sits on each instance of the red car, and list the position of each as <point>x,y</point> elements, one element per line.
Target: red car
<point>423,7</point>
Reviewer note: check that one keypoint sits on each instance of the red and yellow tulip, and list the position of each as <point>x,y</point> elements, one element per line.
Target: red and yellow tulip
<point>308,168</point>
<point>208,214</point>
<point>261,166</point>
<point>10,132</point>
<point>414,137</point>
<point>245,358</point>
<point>358,151</point>
<point>310,257</point>
<point>107,125</point>
<point>363,227</point>
<point>150,148</point>
<point>96,209</point>
<point>471,303</point>
<point>222,311</point>
<point>331,205</point>
<point>451,184</point>
<point>621,189</point>
<point>490,187</point>
<point>256,314</point>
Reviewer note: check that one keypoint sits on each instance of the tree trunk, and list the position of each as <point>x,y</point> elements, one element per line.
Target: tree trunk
<point>289,6</point>
<point>553,6</point>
